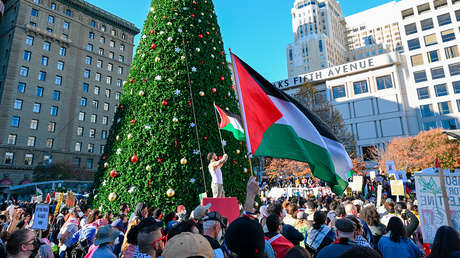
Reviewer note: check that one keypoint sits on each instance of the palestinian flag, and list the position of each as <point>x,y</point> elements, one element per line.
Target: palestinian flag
<point>230,122</point>
<point>278,126</point>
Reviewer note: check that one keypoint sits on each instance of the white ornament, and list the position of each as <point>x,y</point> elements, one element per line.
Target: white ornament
<point>152,9</point>
<point>177,92</point>
<point>148,168</point>
<point>148,126</point>
<point>143,55</point>
<point>131,189</point>
<point>118,151</point>
<point>158,78</point>
<point>144,36</point>
<point>212,56</point>
<point>179,30</point>
<point>104,183</point>
<point>170,80</point>
<point>182,57</point>
<point>170,39</point>
<point>185,8</point>
<point>192,180</point>
<point>177,50</point>
<point>198,49</point>
<point>194,69</point>
<point>199,20</point>
<point>192,124</point>
<point>118,120</point>
<point>130,136</point>
<point>169,23</point>
<point>157,59</point>
<point>224,143</point>
<point>162,32</point>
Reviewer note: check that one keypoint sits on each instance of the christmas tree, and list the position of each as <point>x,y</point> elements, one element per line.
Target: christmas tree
<point>165,123</point>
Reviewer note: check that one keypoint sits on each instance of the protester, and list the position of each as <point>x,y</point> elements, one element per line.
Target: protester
<point>346,233</point>
<point>446,243</point>
<point>359,238</point>
<point>213,227</point>
<point>22,243</point>
<point>278,242</point>
<point>320,235</point>
<point>360,252</point>
<point>288,231</point>
<point>244,238</point>
<point>149,240</point>
<point>66,233</point>
<point>395,243</point>
<point>298,252</point>
<point>370,215</point>
<point>105,238</point>
<point>188,244</point>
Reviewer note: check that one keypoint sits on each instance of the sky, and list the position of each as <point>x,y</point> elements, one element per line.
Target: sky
<point>256,30</point>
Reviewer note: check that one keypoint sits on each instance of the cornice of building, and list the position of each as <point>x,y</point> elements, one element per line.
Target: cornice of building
<point>98,13</point>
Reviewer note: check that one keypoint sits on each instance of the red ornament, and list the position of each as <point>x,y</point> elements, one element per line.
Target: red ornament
<point>222,53</point>
<point>164,103</point>
<point>172,8</point>
<point>131,80</point>
<point>233,87</point>
<point>150,181</point>
<point>164,16</point>
<point>222,78</point>
<point>154,46</point>
<point>152,32</point>
<point>205,138</point>
<point>234,162</point>
<point>190,103</point>
<point>121,106</point>
<point>113,174</point>
<point>193,15</point>
<point>202,62</point>
<point>134,158</point>
<point>160,160</point>
<point>186,42</point>
<point>132,121</point>
<point>144,80</point>
<point>214,90</point>
<point>223,63</point>
<point>104,157</point>
<point>200,35</point>
<point>175,142</point>
<point>207,32</point>
<point>194,2</point>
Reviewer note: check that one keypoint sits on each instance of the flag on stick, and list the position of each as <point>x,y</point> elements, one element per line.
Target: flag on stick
<point>278,126</point>
<point>230,122</point>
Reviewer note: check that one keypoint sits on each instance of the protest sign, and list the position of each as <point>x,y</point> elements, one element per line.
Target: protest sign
<point>70,199</point>
<point>398,175</point>
<point>379,195</point>
<point>37,199</point>
<point>433,210</point>
<point>397,187</point>
<point>59,197</point>
<point>349,192</point>
<point>41,216</point>
<point>372,174</point>
<point>390,166</point>
<point>357,184</point>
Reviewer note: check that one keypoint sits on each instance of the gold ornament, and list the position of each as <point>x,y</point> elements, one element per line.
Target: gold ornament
<point>141,93</point>
<point>183,161</point>
<point>112,196</point>
<point>201,93</point>
<point>198,49</point>
<point>170,193</point>
<point>147,167</point>
<point>245,170</point>
<point>238,151</point>
<point>124,83</point>
<point>152,9</point>
<point>175,120</point>
<point>117,138</point>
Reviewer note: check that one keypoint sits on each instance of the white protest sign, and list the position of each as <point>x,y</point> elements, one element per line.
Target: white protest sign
<point>41,216</point>
<point>357,184</point>
<point>379,195</point>
<point>397,187</point>
<point>431,205</point>
<point>372,174</point>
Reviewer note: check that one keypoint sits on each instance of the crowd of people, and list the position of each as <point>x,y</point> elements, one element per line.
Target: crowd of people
<point>317,226</point>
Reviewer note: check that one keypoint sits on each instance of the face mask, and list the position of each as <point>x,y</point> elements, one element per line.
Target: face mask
<point>80,214</point>
<point>284,213</point>
<point>36,248</point>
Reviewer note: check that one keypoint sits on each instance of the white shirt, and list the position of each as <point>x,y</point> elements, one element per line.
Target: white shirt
<point>216,174</point>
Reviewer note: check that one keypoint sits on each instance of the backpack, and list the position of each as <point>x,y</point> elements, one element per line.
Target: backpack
<point>280,245</point>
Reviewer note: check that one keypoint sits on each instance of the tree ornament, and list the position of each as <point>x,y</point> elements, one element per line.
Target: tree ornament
<point>132,121</point>
<point>201,93</point>
<point>124,83</point>
<point>170,193</point>
<point>182,57</point>
<point>160,160</point>
<point>205,137</point>
<point>147,168</point>
<point>131,189</point>
<point>130,136</point>
<point>158,77</point>
<point>152,32</point>
<point>175,120</point>
<point>164,102</point>
<point>222,78</point>
<point>235,162</point>
<point>112,196</point>
<point>198,49</point>
<point>214,90</point>
<point>134,158</point>
<point>106,164</point>
<point>238,151</point>
<point>183,161</point>
<point>152,9</point>
<point>192,180</point>
<point>245,170</point>
<point>177,92</point>
<point>117,137</point>
<point>141,93</point>
<point>175,142</point>
<point>170,39</point>
<point>113,173</point>
<point>118,151</point>
<point>157,59</point>
<point>194,69</point>
<point>200,35</point>
<point>154,46</point>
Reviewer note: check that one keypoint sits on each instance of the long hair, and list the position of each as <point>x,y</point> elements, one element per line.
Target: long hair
<point>319,218</point>
<point>370,215</point>
<point>396,226</point>
<point>446,241</point>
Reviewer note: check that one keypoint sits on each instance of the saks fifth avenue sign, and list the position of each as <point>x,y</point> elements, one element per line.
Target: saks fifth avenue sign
<point>338,71</point>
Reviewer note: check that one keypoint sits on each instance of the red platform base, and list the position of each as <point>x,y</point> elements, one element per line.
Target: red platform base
<point>227,207</point>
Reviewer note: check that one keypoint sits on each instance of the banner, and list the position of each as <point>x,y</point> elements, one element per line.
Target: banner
<point>431,206</point>
<point>357,184</point>
<point>59,197</point>
<point>397,187</point>
<point>41,216</point>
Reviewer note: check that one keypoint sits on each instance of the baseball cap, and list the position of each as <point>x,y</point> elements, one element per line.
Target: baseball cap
<point>245,237</point>
<point>106,234</point>
<point>200,211</point>
<point>215,216</point>
<point>188,244</point>
<point>345,225</point>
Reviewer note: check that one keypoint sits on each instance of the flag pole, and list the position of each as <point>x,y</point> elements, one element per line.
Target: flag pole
<point>218,127</point>
<point>241,110</point>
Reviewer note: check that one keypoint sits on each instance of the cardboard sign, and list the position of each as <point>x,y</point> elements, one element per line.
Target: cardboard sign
<point>372,174</point>
<point>390,166</point>
<point>70,199</point>
<point>357,184</point>
<point>59,197</point>
<point>379,195</point>
<point>432,211</point>
<point>41,216</point>
<point>37,199</point>
<point>398,175</point>
<point>397,187</point>
<point>349,192</point>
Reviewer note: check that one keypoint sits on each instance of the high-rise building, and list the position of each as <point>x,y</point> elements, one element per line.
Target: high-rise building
<point>62,66</point>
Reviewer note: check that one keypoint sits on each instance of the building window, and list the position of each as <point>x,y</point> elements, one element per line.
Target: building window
<point>28,159</point>
<point>31,141</point>
<point>360,87</point>
<point>86,73</point>
<point>34,12</point>
<point>101,51</point>
<point>50,19</point>
<point>120,70</point>
<point>39,92</point>
<point>445,108</point>
<point>62,51</point>
<point>107,93</point>
<point>34,124</point>
<point>56,95</point>
<point>99,64</point>
<point>423,93</point>
<point>456,86</point>
<point>44,61</point>
<point>410,28</point>
<point>413,44</point>
<point>58,80</point>
<point>93,23</point>
<point>93,118</point>
<point>24,71</point>
<point>113,32</point>
<point>337,92</point>
<point>49,143</point>
<point>81,116</point>
<point>54,111</point>
<point>426,110</point>
<point>118,94</point>
<point>102,40</point>
<point>104,134</point>
<point>384,82</point>
<point>89,163</point>
<point>108,80</point>
<point>95,104</point>
<point>15,121</point>
<point>437,73</point>
<point>449,124</point>
<point>78,146</point>
<point>53,6</point>
<point>451,52</point>
<point>122,48</point>
<point>105,120</point>
<point>51,127</point>
<point>110,67</point>
<point>12,138</point>
<point>76,161</point>
<point>447,35</point>
<point>101,149</point>
<point>458,105</point>
<point>80,131</point>
<point>21,87</point>
<point>89,47</point>
<point>46,46</point>
<point>121,59</point>
<point>88,60</point>
<point>119,82</point>
<point>429,125</point>
<point>68,12</point>
<point>60,65</point>
<point>106,106</point>
<point>41,76</point>
<point>103,28</point>
<point>417,60</point>
<point>27,55</point>
<point>84,87</point>
<point>66,25</point>
<point>90,147</point>
<point>123,36</point>
<point>423,8</point>
<point>441,90</point>
<point>430,40</point>
<point>29,40</point>
<point>37,107</point>
<point>83,102</point>
<point>49,30</point>
<point>97,90</point>
<point>9,158</point>
<point>454,69</point>
<point>444,19</point>
<point>111,55</point>
<point>18,104</point>
<point>92,133</point>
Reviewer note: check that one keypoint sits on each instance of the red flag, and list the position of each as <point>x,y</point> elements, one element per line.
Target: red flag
<point>436,164</point>
<point>48,198</point>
